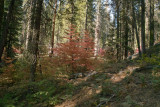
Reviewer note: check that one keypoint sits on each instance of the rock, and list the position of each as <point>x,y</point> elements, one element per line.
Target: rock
<point>79,75</point>
<point>91,73</point>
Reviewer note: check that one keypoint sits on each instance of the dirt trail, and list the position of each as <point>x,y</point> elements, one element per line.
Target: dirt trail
<point>89,89</point>
<point>84,94</point>
<point>122,74</point>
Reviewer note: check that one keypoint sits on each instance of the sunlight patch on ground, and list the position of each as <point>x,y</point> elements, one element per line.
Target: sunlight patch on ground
<point>83,95</point>
<point>122,74</point>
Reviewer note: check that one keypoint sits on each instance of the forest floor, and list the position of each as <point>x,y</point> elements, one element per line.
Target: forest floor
<point>90,88</point>
<point>126,88</point>
<point>124,84</point>
<point>129,83</point>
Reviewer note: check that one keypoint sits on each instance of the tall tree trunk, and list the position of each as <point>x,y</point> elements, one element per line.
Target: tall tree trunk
<point>151,23</point>
<point>6,27</point>
<point>133,35</point>
<point>1,16</point>
<point>143,26</point>
<point>27,35</point>
<point>32,13</point>
<point>117,44</point>
<point>147,24</point>
<point>59,20</point>
<point>135,26</point>
<point>126,39</point>
<point>120,24</point>
<point>53,31</point>
<point>96,38</point>
<point>29,24</point>
<point>126,29</point>
<point>35,40</point>
<point>1,24</point>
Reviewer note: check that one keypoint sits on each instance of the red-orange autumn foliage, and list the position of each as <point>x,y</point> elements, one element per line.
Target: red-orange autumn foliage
<point>77,52</point>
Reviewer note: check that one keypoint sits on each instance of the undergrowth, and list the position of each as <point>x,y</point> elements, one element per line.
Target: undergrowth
<point>48,92</point>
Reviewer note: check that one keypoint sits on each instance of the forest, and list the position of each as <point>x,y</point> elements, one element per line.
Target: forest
<point>79,53</point>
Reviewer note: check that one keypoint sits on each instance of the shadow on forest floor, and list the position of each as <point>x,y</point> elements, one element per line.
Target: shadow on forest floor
<point>131,86</point>
<point>89,89</point>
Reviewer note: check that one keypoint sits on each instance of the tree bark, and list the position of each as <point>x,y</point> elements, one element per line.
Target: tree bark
<point>147,24</point>
<point>120,24</point>
<point>35,41</point>
<point>1,25</point>
<point>96,39</point>
<point>126,29</point>
<point>27,35</point>
<point>143,26</point>
<point>135,26</point>
<point>126,39</point>
<point>1,16</point>
<point>53,31</point>
<point>151,23</point>
<point>117,45</point>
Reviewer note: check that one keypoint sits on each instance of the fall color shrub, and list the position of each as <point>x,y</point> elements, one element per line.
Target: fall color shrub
<point>77,52</point>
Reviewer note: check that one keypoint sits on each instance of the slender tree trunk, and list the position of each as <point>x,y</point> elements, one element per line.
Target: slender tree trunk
<point>143,26</point>
<point>59,20</point>
<point>147,24</point>
<point>133,35</point>
<point>135,26</point>
<point>53,31</point>
<point>151,23</point>
<point>1,25</point>
<point>27,35</point>
<point>96,39</point>
<point>57,36</point>
<point>1,16</point>
<point>121,57</point>
<point>30,23</point>
<point>126,39</point>
<point>117,45</point>
<point>6,27</point>
<point>126,29</point>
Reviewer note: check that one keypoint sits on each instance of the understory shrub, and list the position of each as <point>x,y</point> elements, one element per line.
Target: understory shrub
<point>152,60</point>
<point>77,53</point>
<point>44,93</point>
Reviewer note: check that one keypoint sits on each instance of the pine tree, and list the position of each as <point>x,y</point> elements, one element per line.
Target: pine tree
<point>15,29</point>
<point>6,27</point>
